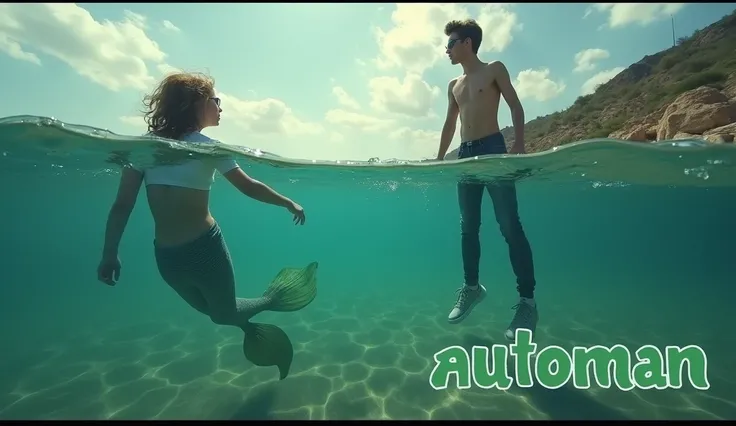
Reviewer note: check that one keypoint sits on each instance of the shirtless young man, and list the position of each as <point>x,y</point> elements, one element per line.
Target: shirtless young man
<point>475,96</point>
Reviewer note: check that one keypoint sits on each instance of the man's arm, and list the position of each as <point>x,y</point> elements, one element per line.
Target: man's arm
<point>448,130</point>
<point>502,78</point>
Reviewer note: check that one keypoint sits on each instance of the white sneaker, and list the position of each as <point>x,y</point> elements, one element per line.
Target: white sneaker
<point>466,301</point>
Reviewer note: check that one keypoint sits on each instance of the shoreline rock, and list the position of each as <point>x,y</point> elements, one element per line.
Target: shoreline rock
<point>702,113</point>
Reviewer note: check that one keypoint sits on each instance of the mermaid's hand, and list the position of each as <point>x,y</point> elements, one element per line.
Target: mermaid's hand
<point>298,212</point>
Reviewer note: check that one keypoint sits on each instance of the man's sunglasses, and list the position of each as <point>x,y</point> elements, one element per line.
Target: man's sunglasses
<point>217,101</point>
<point>451,42</point>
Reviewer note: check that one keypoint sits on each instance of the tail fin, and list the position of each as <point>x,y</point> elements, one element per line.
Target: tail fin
<point>266,345</point>
<point>292,289</point>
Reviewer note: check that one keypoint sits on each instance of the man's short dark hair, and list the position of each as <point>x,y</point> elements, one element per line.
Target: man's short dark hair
<point>467,28</point>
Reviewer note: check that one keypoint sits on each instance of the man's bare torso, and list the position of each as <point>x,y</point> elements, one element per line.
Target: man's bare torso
<point>477,96</point>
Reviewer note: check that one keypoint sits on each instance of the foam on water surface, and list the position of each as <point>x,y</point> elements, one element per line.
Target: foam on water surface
<point>46,141</point>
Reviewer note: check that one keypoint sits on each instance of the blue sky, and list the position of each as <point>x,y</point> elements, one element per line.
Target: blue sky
<point>318,81</point>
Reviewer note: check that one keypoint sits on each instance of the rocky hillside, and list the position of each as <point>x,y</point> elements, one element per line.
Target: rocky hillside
<point>688,90</point>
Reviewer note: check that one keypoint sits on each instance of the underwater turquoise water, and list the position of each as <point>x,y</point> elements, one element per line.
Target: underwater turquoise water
<point>632,243</point>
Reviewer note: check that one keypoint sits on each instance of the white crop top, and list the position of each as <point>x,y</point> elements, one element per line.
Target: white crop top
<point>194,174</point>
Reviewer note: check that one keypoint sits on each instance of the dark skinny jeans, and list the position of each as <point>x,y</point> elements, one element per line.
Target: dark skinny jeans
<point>505,207</point>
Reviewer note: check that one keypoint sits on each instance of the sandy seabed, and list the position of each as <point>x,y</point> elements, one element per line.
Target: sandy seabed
<point>350,362</point>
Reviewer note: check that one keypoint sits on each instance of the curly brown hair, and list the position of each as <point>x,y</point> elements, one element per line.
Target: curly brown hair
<point>171,109</point>
<point>467,28</point>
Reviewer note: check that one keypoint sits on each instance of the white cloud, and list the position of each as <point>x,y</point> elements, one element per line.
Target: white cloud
<point>585,59</point>
<point>169,26</point>
<point>132,120</point>
<point>344,99</point>
<point>167,69</point>
<point>602,77</point>
<point>537,84</point>
<point>420,143</point>
<point>272,126</point>
<point>138,19</point>
<point>416,41</point>
<point>412,97</point>
<point>336,137</point>
<point>357,121</point>
<point>341,135</point>
<point>120,54</point>
<point>14,49</point>
<point>268,116</point>
<point>622,14</point>
<point>269,124</point>
<point>499,25</point>
<point>112,54</point>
